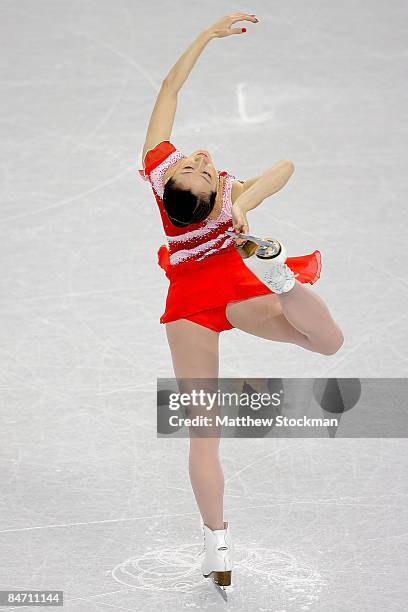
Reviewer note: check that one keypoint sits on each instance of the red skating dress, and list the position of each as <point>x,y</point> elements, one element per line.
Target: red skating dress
<point>201,261</point>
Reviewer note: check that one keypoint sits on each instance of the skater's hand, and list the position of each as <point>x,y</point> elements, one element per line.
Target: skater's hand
<point>239,221</point>
<point>222,27</point>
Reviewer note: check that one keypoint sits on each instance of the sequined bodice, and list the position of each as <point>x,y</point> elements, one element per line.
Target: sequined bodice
<point>197,240</point>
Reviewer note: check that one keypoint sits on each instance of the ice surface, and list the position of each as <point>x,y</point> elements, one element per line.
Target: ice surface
<point>92,502</point>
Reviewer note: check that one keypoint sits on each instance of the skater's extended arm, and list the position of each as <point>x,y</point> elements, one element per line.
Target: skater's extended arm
<point>266,185</point>
<point>221,28</point>
<point>182,68</point>
<point>162,117</point>
<point>164,111</point>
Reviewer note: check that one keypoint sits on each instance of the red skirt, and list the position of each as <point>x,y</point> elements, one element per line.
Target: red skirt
<point>221,278</point>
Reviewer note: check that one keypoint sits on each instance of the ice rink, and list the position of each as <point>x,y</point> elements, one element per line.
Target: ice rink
<point>92,503</point>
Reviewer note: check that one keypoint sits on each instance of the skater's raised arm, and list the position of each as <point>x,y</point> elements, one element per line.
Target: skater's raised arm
<point>161,120</point>
<point>164,111</point>
<point>221,28</point>
<point>162,117</point>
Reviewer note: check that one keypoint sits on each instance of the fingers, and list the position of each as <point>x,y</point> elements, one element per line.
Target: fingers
<point>241,228</point>
<point>237,230</point>
<point>243,17</point>
<point>223,27</point>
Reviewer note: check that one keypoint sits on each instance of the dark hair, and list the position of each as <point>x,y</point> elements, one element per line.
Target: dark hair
<point>183,207</point>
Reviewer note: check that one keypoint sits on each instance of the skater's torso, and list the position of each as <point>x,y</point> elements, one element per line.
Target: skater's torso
<point>199,240</point>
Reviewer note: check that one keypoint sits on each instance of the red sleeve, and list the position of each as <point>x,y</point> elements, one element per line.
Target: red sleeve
<point>156,156</point>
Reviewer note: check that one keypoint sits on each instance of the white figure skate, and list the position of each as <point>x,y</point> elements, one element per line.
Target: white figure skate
<point>218,555</point>
<point>279,277</point>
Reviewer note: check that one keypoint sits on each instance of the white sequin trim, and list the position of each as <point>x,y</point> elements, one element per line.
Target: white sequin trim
<point>204,249</point>
<point>157,175</point>
<point>227,243</point>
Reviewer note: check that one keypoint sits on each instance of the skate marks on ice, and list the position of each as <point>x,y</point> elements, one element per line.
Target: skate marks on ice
<point>290,583</point>
<point>263,576</point>
<point>163,569</point>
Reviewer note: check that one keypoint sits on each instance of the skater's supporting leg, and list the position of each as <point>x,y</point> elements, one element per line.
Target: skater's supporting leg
<point>207,480</point>
<point>195,354</point>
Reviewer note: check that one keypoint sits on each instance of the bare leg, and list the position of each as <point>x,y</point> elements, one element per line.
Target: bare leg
<point>195,354</point>
<point>207,480</point>
<point>298,317</point>
<point>308,313</point>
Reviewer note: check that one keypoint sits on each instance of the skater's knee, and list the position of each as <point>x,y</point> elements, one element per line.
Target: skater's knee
<point>335,344</point>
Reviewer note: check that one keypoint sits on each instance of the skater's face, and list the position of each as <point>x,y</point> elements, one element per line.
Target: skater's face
<point>196,173</point>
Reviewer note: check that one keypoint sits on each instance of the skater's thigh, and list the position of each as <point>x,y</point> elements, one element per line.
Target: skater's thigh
<point>253,313</point>
<point>263,316</point>
<point>195,354</point>
<point>194,349</point>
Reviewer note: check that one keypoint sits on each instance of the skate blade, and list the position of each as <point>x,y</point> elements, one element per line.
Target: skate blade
<point>263,242</point>
<point>271,251</point>
<point>223,591</point>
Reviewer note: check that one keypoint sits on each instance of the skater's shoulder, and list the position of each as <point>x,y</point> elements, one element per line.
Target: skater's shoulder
<point>152,156</point>
<point>157,161</point>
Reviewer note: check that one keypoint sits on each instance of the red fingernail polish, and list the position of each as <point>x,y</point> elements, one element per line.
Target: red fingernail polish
<point>244,29</point>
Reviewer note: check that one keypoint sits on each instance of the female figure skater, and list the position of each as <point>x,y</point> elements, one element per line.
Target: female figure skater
<point>211,288</point>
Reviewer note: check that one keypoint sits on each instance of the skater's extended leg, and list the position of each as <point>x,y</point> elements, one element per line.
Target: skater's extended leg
<point>195,354</point>
<point>308,313</point>
<point>299,317</point>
